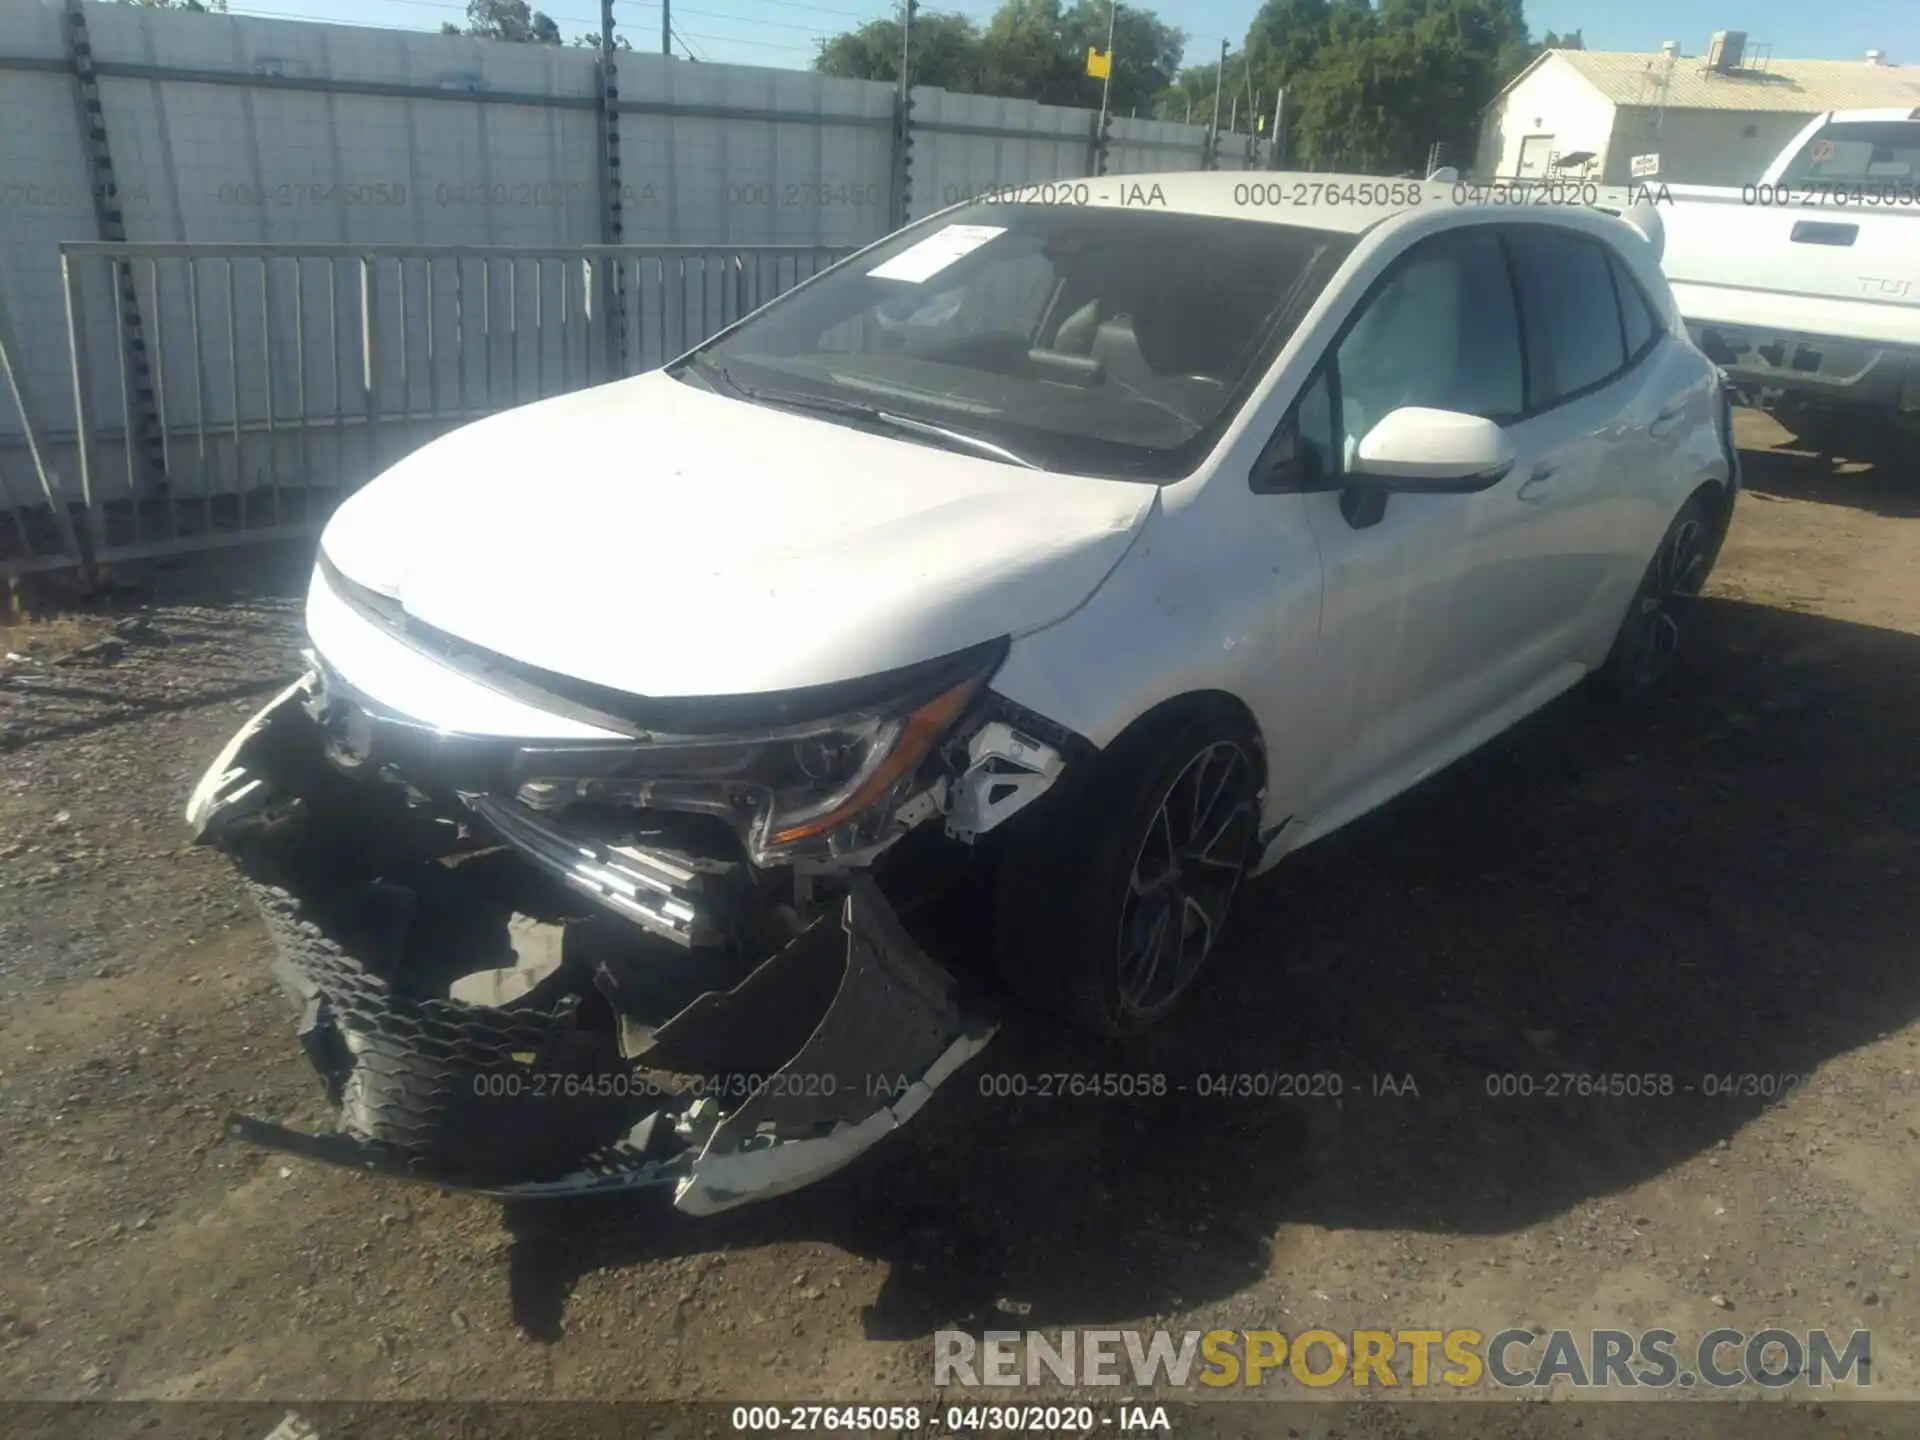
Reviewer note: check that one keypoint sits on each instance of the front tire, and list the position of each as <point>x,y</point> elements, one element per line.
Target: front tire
<point>1106,908</point>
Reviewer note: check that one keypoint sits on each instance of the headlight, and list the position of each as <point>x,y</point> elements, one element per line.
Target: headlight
<point>860,769</point>
<point>820,788</point>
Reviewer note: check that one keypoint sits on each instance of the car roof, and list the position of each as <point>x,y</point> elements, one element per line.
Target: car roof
<point>1346,204</point>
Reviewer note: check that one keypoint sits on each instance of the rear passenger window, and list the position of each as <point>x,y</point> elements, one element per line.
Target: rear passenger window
<point>1573,324</point>
<point>1636,316</point>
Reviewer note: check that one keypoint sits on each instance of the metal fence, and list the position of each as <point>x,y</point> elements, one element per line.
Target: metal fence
<point>266,382</point>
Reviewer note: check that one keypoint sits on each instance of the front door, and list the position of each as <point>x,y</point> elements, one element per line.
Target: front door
<point>1425,609</point>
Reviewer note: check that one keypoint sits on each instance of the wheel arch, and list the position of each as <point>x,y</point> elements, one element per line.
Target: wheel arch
<point>1088,763</point>
<point>1176,709</point>
<point>1717,498</point>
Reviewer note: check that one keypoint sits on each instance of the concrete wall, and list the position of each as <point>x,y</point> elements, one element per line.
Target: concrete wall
<point>240,129</point>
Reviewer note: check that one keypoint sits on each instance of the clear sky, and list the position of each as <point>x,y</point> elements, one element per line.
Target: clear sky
<point>785,32</point>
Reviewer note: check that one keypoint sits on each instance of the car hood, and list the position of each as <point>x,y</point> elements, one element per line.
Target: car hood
<point>665,541</point>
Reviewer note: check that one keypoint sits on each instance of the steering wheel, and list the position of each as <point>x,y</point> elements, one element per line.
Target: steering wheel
<point>913,311</point>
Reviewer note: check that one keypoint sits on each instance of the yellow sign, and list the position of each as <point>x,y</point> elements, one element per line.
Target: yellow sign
<point>1099,65</point>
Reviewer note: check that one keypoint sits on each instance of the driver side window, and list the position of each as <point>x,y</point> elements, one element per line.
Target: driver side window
<point>1443,332</point>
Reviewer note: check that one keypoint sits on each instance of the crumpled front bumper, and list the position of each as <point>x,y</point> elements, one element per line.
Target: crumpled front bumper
<point>595,1077</point>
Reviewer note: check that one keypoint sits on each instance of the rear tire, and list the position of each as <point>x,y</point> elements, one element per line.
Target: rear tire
<point>1661,611</point>
<point>1107,906</point>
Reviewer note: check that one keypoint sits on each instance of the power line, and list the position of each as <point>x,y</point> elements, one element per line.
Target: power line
<point>825,9</point>
<point>263,14</point>
<point>750,20</point>
<point>461,6</point>
<point>324,20</point>
<point>758,44</point>
<point>687,39</point>
<point>592,23</point>
<point>696,53</point>
<point>791,4</point>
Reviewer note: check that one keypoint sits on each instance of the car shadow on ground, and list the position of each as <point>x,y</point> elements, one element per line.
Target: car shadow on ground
<point>1717,883</point>
<point>1884,479</point>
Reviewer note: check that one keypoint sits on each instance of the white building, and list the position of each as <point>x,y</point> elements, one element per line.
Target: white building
<point>1716,119</point>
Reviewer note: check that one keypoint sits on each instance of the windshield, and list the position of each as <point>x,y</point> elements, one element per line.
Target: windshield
<point>1102,341</point>
<point>1859,151</point>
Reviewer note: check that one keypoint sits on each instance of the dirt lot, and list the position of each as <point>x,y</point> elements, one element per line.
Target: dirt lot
<point>1722,884</point>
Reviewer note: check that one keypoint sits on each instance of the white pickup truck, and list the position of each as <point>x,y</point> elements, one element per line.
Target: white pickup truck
<point>1805,286</point>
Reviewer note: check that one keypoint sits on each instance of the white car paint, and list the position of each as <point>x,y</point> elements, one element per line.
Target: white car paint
<point>662,540</point>
<point>742,548</point>
<point>1734,263</point>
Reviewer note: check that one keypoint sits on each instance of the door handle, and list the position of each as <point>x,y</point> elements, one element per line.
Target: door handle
<point>1664,421</point>
<point>1538,483</point>
<point>1817,232</point>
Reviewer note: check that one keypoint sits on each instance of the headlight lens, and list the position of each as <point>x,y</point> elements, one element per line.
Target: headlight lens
<point>875,759</point>
<point>810,790</point>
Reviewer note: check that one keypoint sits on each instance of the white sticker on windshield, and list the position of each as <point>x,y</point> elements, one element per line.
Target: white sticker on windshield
<point>936,253</point>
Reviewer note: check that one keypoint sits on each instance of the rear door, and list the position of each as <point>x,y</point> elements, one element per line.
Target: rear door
<point>1606,415</point>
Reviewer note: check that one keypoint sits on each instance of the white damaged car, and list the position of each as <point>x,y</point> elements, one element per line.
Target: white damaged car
<point>1092,556</point>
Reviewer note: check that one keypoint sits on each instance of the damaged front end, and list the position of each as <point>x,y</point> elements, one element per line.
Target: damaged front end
<point>536,969</point>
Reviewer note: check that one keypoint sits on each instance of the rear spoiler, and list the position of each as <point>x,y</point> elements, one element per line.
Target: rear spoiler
<point>1635,206</point>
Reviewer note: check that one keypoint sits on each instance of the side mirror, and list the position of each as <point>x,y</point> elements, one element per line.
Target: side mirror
<point>1432,452</point>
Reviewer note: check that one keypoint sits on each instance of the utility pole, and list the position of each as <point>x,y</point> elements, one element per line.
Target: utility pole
<point>1253,109</point>
<point>1276,159</point>
<point>611,290</point>
<point>666,27</point>
<point>1106,90</point>
<point>903,119</point>
<point>1213,130</point>
<point>906,50</point>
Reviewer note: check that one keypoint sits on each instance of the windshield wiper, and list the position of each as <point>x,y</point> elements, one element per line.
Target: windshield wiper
<point>715,374</point>
<point>854,410</point>
<point>955,439</point>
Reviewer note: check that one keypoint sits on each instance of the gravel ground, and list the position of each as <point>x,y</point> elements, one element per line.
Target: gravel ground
<point>1719,884</point>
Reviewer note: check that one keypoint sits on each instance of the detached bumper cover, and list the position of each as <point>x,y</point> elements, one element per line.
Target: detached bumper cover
<point>587,1081</point>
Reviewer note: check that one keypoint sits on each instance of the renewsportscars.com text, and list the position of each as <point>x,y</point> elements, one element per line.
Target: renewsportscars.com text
<point>1457,1358</point>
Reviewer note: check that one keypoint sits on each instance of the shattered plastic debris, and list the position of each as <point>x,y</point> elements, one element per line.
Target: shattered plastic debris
<point>449,992</point>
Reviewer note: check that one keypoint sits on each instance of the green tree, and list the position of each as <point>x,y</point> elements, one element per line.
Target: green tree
<point>1367,85</point>
<point>1287,36</point>
<point>197,7</point>
<point>1146,53</point>
<point>1025,52</point>
<point>1032,49</point>
<point>1374,89</point>
<point>507,20</point>
<point>946,52</point>
<point>1191,94</point>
